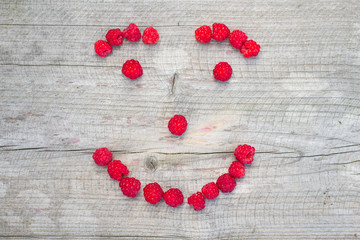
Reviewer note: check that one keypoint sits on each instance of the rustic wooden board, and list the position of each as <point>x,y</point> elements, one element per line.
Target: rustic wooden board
<point>297,103</point>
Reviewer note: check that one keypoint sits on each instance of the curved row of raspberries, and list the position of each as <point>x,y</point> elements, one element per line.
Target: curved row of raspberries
<point>153,193</point>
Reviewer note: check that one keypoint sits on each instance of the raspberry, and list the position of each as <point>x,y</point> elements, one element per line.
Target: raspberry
<point>102,48</point>
<point>130,186</point>
<point>197,200</point>
<point>116,169</point>
<point>132,33</point>
<point>102,156</point>
<point>237,169</point>
<point>177,125</point>
<point>226,183</point>
<point>203,34</point>
<point>250,49</point>
<point>222,71</point>
<point>210,190</point>
<point>237,38</point>
<point>244,153</point>
<point>150,36</point>
<point>173,197</point>
<point>220,31</point>
<point>153,193</point>
<point>132,69</point>
<point>114,37</point>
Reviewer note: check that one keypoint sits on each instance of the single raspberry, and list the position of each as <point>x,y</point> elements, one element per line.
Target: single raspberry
<point>203,34</point>
<point>237,38</point>
<point>226,183</point>
<point>153,193</point>
<point>177,125</point>
<point>210,190</point>
<point>150,36</point>
<point>244,153</point>
<point>237,169</point>
<point>220,32</point>
<point>132,33</point>
<point>132,69</point>
<point>250,49</point>
<point>102,156</point>
<point>116,169</point>
<point>173,197</point>
<point>130,186</point>
<point>102,48</point>
<point>197,200</point>
<point>222,71</point>
<point>114,37</point>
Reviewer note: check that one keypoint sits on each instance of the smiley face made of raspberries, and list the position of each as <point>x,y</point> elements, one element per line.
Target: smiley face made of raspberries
<point>244,154</point>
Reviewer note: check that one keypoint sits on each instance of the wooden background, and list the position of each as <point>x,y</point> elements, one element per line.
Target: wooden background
<point>297,103</point>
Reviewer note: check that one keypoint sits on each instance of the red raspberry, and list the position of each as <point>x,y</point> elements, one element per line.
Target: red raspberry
<point>210,190</point>
<point>220,31</point>
<point>102,156</point>
<point>226,183</point>
<point>250,49</point>
<point>132,69</point>
<point>153,193</point>
<point>114,37</point>
<point>130,186</point>
<point>116,169</point>
<point>203,34</point>
<point>237,169</point>
<point>222,71</point>
<point>150,36</point>
<point>102,48</point>
<point>197,200</point>
<point>173,197</point>
<point>237,38</point>
<point>132,33</point>
<point>177,125</point>
<point>244,153</point>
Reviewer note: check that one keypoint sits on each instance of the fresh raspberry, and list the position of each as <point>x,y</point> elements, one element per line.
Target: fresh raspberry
<point>153,193</point>
<point>226,183</point>
<point>237,38</point>
<point>102,48</point>
<point>132,33</point>
<point>102,156</point>
<point>220,32</point>
<point>197,200</point>
<point>116,169</point>
<point>222,71</point>
<point>210,190</point>
<point>177,125</point>
<point>114,37</point>
<point>132,69</point>
<point>244,154</point>
<point>173,197</point>
<point>237,169</point>
<point>250,49</point>
<point>203,34</point>
<point>130,186</point>
<point>150,36</point>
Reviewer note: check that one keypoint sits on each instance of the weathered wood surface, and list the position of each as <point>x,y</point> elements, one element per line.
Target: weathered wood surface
<point>297,103</point>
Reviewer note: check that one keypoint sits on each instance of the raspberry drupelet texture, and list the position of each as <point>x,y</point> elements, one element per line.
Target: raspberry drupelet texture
<point>114,37</point>
<point>150,36</point>
<point>197,200</point>
<point>220,32</point>
<point>102,48</point>
<point>237,38</point>
<point>132,69</point>
<point>226,183</point>
<point>102,156</point>
<point>210,190</point>
<point>177,125</point>
<point>130,186</point>
<point>222,71</point>
<point>116,169</point>
<point>173,197</point>
<point>132,33</point>
<point>250,49</point>
<point>153,193</point>
<point>244,154</point>
<point>203,34</point>
<point>237,169</point>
